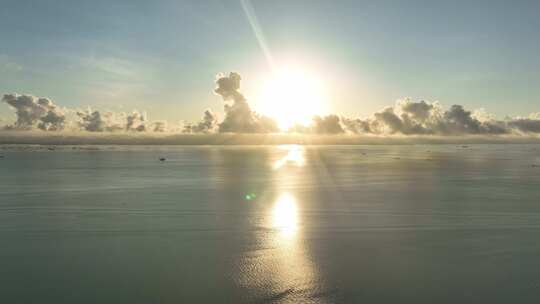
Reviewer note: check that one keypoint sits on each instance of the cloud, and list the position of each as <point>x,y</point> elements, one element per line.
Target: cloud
<point>95,121</point>
<point>424,118</point>
<point>239,118</point>
<point>208,124</point>
<point>406,117</point>
<point>535,116</point>
<point>37,112</point>
<point>329,124</point>
<point>458,120</point>
<point>526,125</point>
<point>420,111</point>
<point>136,121</point>
<point>42,113</point>
<point>356,126</point>
<point>160,126</point>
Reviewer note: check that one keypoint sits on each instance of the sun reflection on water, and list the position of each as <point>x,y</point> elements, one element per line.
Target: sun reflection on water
<point>280,268</point>
<point>295,156</point>
<point>285,215</point>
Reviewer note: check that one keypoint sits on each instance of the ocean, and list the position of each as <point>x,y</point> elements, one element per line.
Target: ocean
<point>270,224</point>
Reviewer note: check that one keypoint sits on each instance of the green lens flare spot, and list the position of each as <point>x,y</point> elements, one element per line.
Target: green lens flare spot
<point>250,196</point>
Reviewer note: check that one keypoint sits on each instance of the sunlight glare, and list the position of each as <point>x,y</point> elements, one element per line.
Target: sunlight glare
<point>285,215</point>
<point>295,155</point>
<point>292,97</point>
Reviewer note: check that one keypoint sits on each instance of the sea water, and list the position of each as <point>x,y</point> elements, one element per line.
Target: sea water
<point>270,224</point>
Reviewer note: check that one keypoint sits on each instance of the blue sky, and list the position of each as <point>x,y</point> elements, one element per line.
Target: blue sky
<point>162,56</point>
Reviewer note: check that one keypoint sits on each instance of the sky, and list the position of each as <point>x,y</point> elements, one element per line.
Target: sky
<point>162,57</point>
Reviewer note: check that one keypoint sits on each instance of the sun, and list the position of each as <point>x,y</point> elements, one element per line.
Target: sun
<point>291,96</point>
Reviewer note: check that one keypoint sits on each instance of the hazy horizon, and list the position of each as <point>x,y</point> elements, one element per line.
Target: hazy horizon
<point>89,138</point>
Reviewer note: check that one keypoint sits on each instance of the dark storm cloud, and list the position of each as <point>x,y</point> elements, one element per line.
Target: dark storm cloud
<point>34,111</point>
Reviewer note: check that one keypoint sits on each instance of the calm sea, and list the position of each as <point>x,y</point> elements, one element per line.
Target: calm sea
<point>273,224</point>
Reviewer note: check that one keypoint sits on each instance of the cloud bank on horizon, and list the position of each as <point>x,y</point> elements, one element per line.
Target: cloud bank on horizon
<point>406,117</point>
